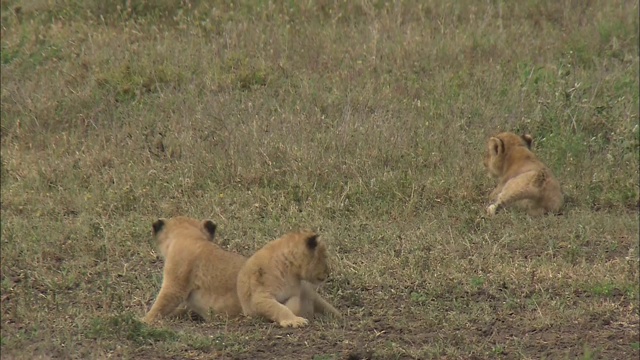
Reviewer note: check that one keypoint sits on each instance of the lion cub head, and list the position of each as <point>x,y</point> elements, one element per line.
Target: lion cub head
<point>310,254</point>
<point>504,149</point>
<point>165,231</point>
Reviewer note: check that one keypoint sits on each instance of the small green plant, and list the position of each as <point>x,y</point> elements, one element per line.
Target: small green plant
<point>498,350</point>
<point>324,357</point>
<point>128,327</point>
<point>604,289</point>
<point>589,353</point>
<point>419,298</point>
<point>477,281</point>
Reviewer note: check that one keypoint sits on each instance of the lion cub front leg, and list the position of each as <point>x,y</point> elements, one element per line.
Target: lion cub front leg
<point>270,308</point>
<point>169,298</point>
<point>495,192</point>
<point>516,189</point>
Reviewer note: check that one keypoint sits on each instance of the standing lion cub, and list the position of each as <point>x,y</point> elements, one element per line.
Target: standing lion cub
<point>197,273</point>
<point>276,281</point>
<point>523,179</point>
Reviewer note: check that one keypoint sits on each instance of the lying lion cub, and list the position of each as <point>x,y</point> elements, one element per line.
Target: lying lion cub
<point>198,274</point>
<point>523,179</point>
<point>273,282</point>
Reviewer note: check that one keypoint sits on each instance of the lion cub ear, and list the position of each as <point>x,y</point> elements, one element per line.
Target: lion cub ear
<point>496,146</point>
<point>210,227</point>
<point>528,139</point>
<point>312,242</point>
<point>157,226</point>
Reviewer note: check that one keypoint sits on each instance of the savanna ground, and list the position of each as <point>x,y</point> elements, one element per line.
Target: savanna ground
<point>363,120</point>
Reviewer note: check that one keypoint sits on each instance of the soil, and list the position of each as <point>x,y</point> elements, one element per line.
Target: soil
<point>406,331</point>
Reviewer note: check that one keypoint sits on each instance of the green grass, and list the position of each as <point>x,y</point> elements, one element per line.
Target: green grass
<point>365,121</point>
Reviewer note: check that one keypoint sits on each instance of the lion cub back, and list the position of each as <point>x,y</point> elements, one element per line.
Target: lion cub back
<point>197,274</point>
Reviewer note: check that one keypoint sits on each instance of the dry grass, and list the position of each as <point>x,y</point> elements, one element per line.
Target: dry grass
<point>364,120</point>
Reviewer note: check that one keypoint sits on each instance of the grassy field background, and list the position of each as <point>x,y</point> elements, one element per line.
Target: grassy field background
<point>363,120</point>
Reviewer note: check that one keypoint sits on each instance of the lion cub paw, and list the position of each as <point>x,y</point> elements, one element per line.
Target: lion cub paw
<point>296,322</point>
<point>491,209</point>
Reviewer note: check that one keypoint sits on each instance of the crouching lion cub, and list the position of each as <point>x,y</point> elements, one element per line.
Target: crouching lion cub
<point>198,275</point>
<point>523,179</point>
<point>276,281</point>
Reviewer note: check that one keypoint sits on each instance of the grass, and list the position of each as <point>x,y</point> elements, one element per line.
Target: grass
<point>363,120</point>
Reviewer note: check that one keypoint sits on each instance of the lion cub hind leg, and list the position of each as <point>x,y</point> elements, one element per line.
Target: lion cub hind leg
<point>181,311</point>
<point>300,306</point>
<point>270,308</point>
<point>319,305</point>
<point>518,188</point>
<point>198,305</point>
<point>323,307</point>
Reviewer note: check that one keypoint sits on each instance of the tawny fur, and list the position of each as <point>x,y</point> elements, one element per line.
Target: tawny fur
<point>524,180</point>
<point>276,282</point>
<point>198,275</point>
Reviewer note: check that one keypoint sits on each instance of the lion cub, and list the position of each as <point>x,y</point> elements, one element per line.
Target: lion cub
<point>276,281</point>
<point>198,274</point>
<point>523,179</point>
